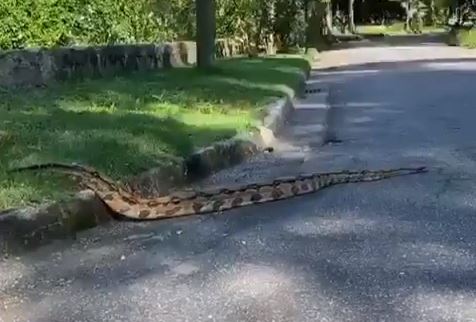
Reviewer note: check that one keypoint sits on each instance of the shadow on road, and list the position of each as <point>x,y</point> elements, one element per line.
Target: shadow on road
<point>393,40</point>
<point>401,249</point>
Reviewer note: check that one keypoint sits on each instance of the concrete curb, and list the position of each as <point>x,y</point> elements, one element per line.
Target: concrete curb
<point>28,228</point>
<point>230,152</point>
<point>226,153</point>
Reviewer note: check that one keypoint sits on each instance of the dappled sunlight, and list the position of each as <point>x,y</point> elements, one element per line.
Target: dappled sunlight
<point>379,61</point>
<point>361,120</point>
<point>307,130</point>
<point>301,153</point>
<point>12,272</point>
<point>439,305</point>
<point>443,160</point>
<point>119,144</point>
<point>397,249</point>
<point>348,223</point>
<point>289,152</point>
<point>285,69</point>
<point>276,290</point>
<point>465,66</point>
<point>315,80</point>
<point>446,160</point>
<point>93,254</point>
<point>119,140</point>
<point>128,124</point>
<point>455,196</point>
<point>434,256</point>
<point>271,88</point>
<point>107,101</point>
<point>301,105</point>
<point>256,281</point>
<point>348,72</point>
<point>315,263</point>
<point>374,105</point>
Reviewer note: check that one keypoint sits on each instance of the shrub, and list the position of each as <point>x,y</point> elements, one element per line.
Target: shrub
<point>467,38</point>
<point>50,23</point>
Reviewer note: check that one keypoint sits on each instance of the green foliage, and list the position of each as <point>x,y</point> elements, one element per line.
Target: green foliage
<point>50,23</point>
<point>290,22</point>
<point>467,38</point>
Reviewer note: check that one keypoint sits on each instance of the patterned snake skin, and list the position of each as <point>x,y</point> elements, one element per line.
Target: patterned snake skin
<point>122,201</point>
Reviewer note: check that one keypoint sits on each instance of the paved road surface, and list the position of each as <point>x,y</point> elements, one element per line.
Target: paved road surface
<point>396,250</point>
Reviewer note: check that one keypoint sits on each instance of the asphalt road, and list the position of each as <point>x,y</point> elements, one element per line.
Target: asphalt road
<point>403,249</point>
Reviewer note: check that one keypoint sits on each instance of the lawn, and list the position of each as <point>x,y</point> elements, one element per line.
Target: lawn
<point>464,37</point>
<point>395,29</point>
<point>128,124</point>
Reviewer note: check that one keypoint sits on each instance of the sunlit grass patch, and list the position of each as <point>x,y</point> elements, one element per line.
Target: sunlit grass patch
<point>128,124</point>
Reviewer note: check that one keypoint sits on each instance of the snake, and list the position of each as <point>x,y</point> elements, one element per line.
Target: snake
<point>121,200</point>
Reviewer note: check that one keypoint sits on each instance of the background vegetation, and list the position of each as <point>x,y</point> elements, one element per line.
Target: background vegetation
<point>49,23</point>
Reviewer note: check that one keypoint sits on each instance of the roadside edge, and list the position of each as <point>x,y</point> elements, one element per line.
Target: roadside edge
<point>31,227</point>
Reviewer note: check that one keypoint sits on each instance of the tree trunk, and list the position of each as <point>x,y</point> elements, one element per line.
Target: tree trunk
<point>431,13</point>
<point>329,17</point>
<point>206,29</point>
<point>270,43</point>
<point>351,16</point>
<point>314,32</point>
<point>406,6</point>
<point>305,5</point>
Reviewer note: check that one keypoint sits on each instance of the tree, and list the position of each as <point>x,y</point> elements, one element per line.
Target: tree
<point>315,25</point>
<point>351,16</point>
<point>243,25</point>
<point>329,17</point>
<point>206,30</point>
<point>430,17</point>
<point>412,15</point>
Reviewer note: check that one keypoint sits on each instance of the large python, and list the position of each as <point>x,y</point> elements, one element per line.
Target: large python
<point>122,201</point>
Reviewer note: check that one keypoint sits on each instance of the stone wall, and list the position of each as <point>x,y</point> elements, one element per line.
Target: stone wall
<point>37,67</point>
<point>229,48</point>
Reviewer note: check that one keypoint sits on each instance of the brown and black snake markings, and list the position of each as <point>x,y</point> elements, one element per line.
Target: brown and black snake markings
<point>123,201</point>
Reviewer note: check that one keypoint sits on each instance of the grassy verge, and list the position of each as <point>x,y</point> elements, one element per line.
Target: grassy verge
<point>395,29</point>
<point>125,125</point>
<point>463,37</point>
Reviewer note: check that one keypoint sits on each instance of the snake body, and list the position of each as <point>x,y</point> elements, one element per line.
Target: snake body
<point>124,202</point>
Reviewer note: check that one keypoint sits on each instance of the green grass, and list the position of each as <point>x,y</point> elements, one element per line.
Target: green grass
<point>467,38</point>
<point>125,125</point>
<point>395,29</point>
